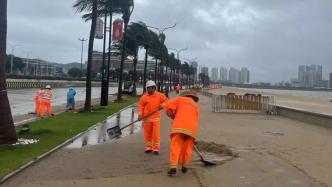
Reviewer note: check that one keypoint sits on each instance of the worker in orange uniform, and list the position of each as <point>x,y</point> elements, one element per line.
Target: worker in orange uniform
<point>177,89</point>
<point>37,101</point>
<point>151,101</point>
<point>46,96</point>
<point>185,114</point>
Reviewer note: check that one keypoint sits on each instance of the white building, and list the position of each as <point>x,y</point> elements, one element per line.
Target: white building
<point>245,75</point>
<point>234,75</point>
<point>205,71</point>
<point>223,74</point>
<point>214,74</point>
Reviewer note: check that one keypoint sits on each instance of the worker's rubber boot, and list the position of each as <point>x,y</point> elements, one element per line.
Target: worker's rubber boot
<point>171,172</point>
<point>156,152</point>
<point>184,169</point>
<point>148,151</point>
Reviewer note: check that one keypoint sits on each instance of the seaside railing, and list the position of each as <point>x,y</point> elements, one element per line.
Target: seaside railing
<point>247,102</point>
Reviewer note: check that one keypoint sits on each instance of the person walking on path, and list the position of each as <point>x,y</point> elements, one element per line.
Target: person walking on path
<point>71,99</point>
<point>37,101</point>
<point>151,101</point>
<point>177,89</point>
<point>46,96</point>
<point>185,114</point>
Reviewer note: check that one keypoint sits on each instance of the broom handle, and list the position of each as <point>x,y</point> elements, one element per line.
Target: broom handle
<point>149,114</point>
<point>198,152</point>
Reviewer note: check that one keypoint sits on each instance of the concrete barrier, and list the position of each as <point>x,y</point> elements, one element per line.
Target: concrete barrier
<point>313,118</point>
<point>36,84</point>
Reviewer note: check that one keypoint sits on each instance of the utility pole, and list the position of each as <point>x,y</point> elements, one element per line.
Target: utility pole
<point>82,40</point>
<point>178,51</point>
<point>161,32</point>
<point>12,58</point>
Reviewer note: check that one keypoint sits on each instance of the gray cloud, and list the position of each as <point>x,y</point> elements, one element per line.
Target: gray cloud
<point>271,38</point>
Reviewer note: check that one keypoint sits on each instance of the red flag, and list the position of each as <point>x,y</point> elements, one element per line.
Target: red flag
<point>117,30</point>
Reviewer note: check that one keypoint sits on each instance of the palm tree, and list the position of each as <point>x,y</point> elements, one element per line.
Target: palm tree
<point>155,50</point>
<point>135,39</point>
<point>127,9</point>
<point>82,5</point>
<point>7,129</point>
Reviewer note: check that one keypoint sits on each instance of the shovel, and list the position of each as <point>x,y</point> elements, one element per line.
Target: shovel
<point>206,162</point>
<point>114,132</point>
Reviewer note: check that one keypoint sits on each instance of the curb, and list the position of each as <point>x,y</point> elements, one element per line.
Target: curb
<point>38,158</point>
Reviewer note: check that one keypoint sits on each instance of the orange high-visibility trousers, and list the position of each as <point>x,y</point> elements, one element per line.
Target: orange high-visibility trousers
<point>37,106</point>
<point>45,104</point>
<point>152,135</point>
<point>180,150</point>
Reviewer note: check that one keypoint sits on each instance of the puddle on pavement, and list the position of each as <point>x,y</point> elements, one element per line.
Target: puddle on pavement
<point>99,134</point>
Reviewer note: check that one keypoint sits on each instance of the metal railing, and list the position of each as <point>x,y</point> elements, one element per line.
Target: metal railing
<point>247,102</point>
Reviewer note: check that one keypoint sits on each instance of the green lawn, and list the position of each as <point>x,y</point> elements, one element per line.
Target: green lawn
<point>52,132</point>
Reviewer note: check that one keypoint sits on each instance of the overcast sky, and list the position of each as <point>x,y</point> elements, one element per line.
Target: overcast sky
<point>270,37</point>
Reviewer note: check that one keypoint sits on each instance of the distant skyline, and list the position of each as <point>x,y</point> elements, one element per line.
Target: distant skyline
<point>272,38</point>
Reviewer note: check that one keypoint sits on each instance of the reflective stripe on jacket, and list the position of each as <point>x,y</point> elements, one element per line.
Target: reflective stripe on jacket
<point>46,94</point>
<point>186,117</point>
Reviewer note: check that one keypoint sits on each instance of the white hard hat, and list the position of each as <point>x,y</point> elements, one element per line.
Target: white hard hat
<point>48,87</point>
<point>150,83</point>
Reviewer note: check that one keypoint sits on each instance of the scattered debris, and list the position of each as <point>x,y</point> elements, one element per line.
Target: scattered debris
<point>22,141</point>
<point>274,134</point>
<point>213,147</point>
<point>216,153</point>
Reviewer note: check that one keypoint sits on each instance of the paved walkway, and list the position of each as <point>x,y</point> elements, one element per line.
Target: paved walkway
<point>298,156</point>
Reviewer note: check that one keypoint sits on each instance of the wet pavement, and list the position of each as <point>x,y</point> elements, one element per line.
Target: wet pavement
<point>98,134</point>
<point>22,100</point>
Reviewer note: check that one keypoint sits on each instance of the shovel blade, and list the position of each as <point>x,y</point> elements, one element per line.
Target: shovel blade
<point>114,132</point>
<point>208,163</point>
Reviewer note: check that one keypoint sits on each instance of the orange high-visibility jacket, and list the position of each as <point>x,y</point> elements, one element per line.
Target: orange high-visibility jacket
<point>37,95</point>
<point>46,94</point>
<point>149,103</point>
<point>186,113</point>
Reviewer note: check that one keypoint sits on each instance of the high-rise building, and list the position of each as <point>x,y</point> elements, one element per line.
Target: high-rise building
<point>301,75</point>
<point>330,81</point>
<point>234,75</point>
<point>194,64</point>
<point>223,74</point>
<point>310,76</point>
<point>205,71</point>
<point>214,74</point>
<point>245,75</point>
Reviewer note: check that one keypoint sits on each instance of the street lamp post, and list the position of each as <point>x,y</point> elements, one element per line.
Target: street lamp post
<point>82,40</point>
<point>178,51</point>
<point>12,58</point>
<point>160,32</point>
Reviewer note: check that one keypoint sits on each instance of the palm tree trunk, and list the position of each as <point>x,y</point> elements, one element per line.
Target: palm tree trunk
<point>145,69</point>
<point>123,56</point>
<point>109,52</point>
<point>155,70</point>
<point>103,92</point>
<point>87,105</point>
<point>134,74</point>
<point>7,129</point>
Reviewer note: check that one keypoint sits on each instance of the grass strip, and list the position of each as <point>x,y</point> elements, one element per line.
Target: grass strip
<point>52,132</point>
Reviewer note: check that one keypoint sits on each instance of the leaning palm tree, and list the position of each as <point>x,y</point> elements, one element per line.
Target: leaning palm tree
<point>104,8</point>
<point>127,9</point>
<point>7,129</point>
<point>82,6</point>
